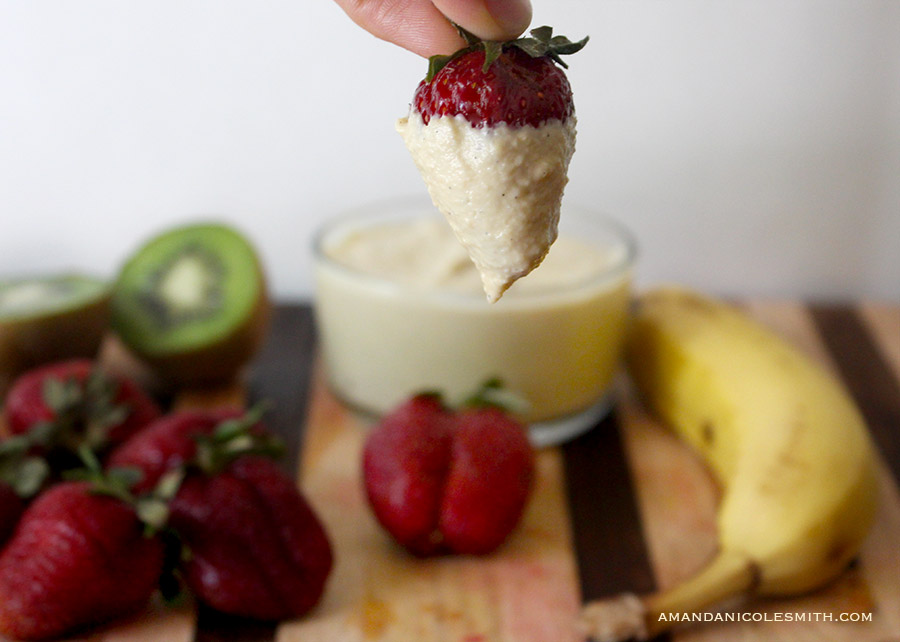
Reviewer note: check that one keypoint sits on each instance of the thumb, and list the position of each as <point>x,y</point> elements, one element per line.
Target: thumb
<point>488,19</point>
<point>423,26</point>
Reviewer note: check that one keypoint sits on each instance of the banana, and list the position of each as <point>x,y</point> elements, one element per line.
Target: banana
<point>782,437</point>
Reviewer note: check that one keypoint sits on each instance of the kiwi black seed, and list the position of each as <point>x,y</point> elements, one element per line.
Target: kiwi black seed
<point>192,303</point>
<point>44,319</point>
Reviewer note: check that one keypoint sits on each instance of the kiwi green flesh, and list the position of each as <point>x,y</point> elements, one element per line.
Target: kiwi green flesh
<point>26,299</point>
<point>218,362</point>
<point>187,290</point>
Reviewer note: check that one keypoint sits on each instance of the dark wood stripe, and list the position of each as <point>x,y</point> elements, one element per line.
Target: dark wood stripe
<point>606,526</point>
<point>213,626</point>
<point>280,374</point>
<point>866,374</point>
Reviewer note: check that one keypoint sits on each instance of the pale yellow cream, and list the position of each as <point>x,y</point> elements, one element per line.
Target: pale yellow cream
<point>423,253</point>
<point>400,310</point>
<point>499,188</point>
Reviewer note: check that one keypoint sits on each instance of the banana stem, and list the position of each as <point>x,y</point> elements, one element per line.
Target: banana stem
<point>630,617</point>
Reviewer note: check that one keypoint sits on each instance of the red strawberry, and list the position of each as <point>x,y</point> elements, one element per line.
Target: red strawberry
<point>256,547</point>
<point>438,481</point>
<point>76,559</point>
<point>492,130</point>
<point>75,403</point>
<point>11,507</point>
<point>405,464</point>
<point>516,88</point>
<point>164,445</point>
<point>489,481</point>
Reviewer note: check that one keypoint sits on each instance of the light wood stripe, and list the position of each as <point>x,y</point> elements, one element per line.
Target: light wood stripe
<point>675,493</point>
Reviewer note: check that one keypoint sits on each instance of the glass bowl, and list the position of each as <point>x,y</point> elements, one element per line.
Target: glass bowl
<point>399,310</point>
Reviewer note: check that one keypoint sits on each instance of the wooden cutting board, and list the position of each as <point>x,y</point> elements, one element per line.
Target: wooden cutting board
<point>625,507</point>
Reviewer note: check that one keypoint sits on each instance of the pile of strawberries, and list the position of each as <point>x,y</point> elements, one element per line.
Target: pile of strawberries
<point>104,500</point>
<point>192,494</point>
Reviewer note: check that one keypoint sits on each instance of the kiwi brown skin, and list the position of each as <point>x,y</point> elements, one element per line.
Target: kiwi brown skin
<point>67,334</point>
<point>220,361</point>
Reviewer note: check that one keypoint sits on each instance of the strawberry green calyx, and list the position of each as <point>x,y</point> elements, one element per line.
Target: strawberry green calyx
<point>493,394</point>
<point>84,412</point>
<point>541,43</point>
<point>22,472</point>
<point>490,393</point>
<point>152,508</point>
<point>91,403</point>
<point>235,438</point>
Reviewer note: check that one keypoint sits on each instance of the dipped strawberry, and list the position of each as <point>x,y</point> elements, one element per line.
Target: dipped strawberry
<point>492,130</point>
<point>448,481</point>
<point>77,558</point>
<point>256,548</point>
<point>70,404</point>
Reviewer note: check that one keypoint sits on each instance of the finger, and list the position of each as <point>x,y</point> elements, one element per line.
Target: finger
<point>488,19</point>
<point>416,25</point>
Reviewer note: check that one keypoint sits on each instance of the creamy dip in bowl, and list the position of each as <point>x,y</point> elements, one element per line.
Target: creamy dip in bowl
<point>400,309</point>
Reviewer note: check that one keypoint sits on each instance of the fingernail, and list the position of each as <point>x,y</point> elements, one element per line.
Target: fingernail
<point>512,16</point>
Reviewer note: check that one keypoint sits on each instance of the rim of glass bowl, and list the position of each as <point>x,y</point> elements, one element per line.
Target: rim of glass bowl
<point>408,207</point>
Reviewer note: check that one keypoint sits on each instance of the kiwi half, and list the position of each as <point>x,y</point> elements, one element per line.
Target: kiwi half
<point>44,319</point>
<point>192,303</point>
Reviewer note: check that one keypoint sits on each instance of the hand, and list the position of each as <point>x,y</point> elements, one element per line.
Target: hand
<point>423,26</point>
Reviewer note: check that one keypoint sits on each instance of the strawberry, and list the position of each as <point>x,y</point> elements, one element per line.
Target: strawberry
<point>76,558</point>
<point>256,548</point>
<point>72,403</point>
<point>440,481</point>
<point>492,130</point>
<point>489,481</point>
<point>405,463</point>
<point>515,88</point>
<point>165,444</point>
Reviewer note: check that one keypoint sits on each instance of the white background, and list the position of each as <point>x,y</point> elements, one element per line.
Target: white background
<point>753,146</point>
